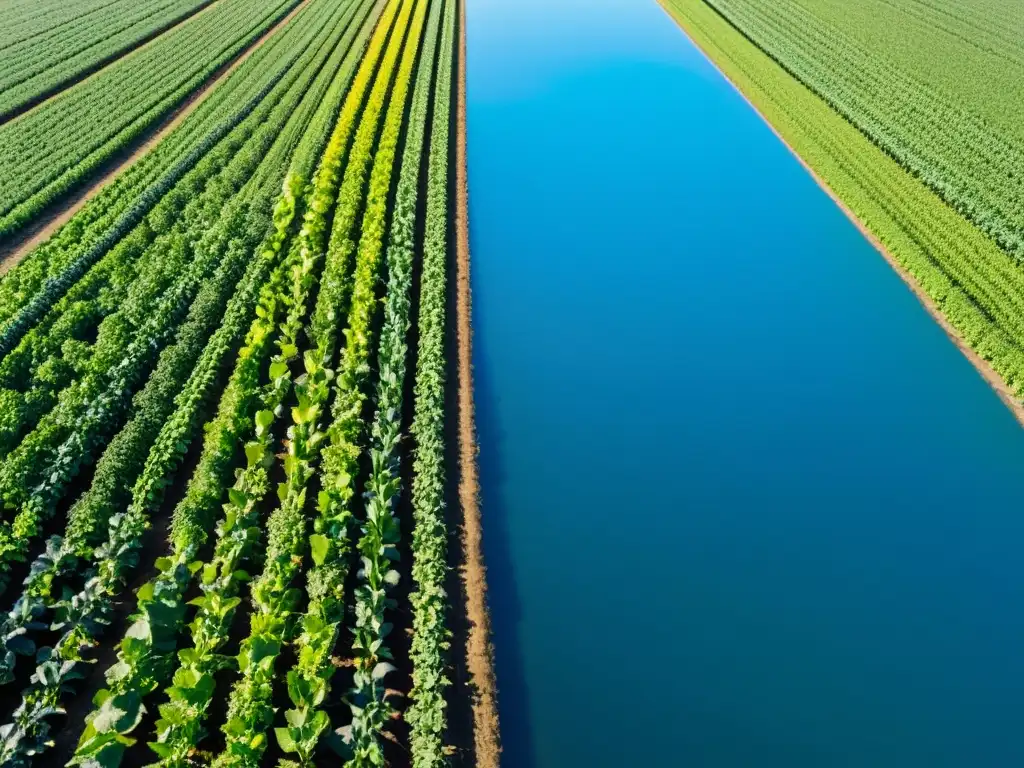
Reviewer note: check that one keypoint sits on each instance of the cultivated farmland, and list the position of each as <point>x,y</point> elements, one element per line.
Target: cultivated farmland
<point>926,155</point>
<point>55,146</point>
<point>229,479</point>
<point>42,63</point>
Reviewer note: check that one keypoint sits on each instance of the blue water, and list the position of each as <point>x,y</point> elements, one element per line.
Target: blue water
<point>745,504</point>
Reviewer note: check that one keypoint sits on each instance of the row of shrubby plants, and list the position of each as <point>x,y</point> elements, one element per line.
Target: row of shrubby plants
<point>37,65</point>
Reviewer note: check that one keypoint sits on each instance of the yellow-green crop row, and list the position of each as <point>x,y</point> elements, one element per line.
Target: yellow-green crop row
<point>430,602</point>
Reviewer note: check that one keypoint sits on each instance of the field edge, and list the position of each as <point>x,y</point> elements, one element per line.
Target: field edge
<point>479,647</point>
<point>984,367</point>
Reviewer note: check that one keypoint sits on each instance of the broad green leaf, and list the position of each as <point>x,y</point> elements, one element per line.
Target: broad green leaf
<point>284,738</point>
<point>320,547</point>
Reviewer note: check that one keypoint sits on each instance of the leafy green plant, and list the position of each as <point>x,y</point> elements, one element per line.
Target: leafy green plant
<point>430,638</point>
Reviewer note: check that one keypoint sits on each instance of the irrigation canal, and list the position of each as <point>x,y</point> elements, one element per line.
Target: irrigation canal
<point>744,502</point>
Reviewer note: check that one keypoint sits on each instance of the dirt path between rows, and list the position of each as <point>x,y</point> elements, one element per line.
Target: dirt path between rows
<point>57,215</point>
<point>479,651</point>
<point>982,365</point>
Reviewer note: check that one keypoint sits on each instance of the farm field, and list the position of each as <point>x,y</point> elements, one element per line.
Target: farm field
<point>43,62</point>
<point>55,147</point>
<point>925,155</point>
<point>232,483</point>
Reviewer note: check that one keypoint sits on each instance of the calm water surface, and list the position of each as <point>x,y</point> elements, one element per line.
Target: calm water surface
<point>745,504</point>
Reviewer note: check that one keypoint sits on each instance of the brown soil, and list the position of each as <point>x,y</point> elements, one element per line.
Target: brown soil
<point>479,651</point>
<point>58,214</point>
<point>987,372</point>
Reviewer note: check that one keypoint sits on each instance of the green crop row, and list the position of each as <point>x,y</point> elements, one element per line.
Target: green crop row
<point>430,536</point>
<point>27,19</point>
<point>158,202</point>
<point>250,712</point>
<point>225,107</point>
<point>379,531</point>
<point>308,682</point>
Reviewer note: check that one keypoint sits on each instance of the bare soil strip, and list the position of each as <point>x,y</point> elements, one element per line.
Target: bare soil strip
<point>983,367</point>
<point>479,651</point>
<point>103,63</point>
<point>57,215</point>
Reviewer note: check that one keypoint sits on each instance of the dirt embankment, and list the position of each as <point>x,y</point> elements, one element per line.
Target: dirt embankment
<point>479,651</point>
<point>47,223</point>
<point>983,367</point>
